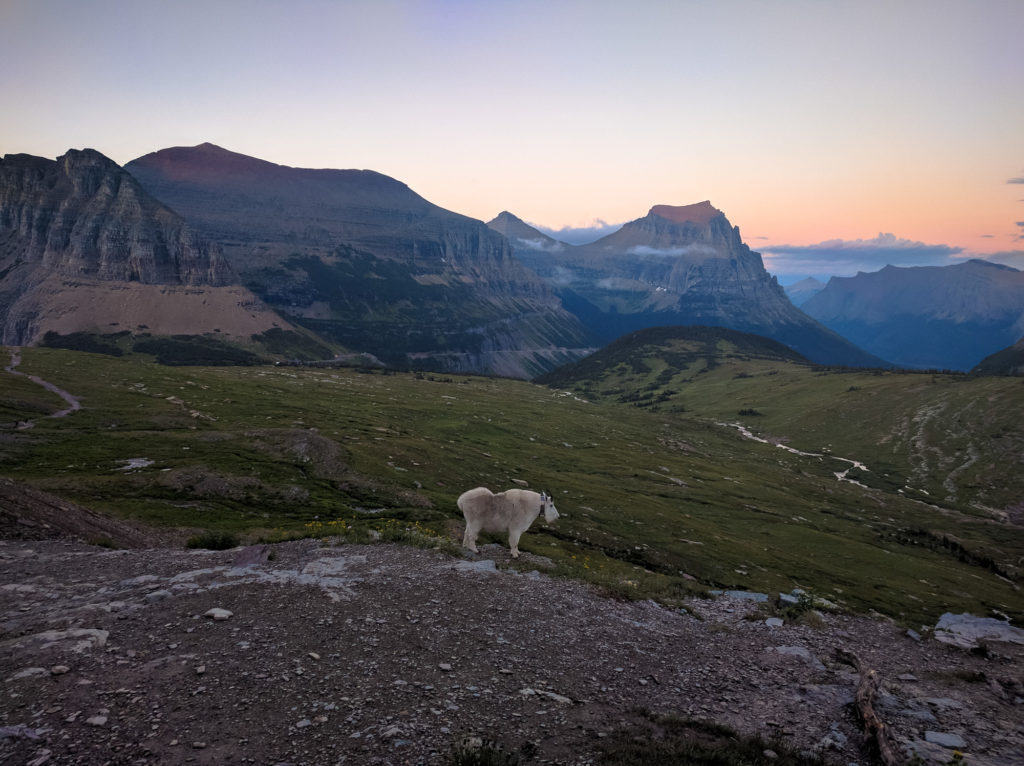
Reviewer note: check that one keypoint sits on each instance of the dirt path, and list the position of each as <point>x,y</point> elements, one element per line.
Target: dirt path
<point>73,404</point>
<point>388,655</point>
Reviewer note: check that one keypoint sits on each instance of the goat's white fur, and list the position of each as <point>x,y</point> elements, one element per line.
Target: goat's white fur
<point>512,510</point>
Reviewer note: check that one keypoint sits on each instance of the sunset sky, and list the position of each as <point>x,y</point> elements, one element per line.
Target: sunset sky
<point>807,123</point>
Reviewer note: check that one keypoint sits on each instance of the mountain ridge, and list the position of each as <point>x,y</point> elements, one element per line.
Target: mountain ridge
<point>361,259</point>
<point>927,316</point>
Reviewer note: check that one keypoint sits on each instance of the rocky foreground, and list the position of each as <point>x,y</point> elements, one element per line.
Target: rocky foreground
<point>309,654</point>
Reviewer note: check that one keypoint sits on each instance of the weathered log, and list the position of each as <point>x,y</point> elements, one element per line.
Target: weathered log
<point>875,729</point>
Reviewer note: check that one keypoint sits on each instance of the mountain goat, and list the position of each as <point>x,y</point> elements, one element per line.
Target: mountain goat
<point>513,510</point>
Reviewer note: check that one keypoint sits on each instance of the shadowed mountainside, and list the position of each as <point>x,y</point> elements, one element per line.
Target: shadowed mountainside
<point>675,266</point>
<point>1009,361</point>
<point>361,259</point>
<point>946,317</point>
<point>677,346</point>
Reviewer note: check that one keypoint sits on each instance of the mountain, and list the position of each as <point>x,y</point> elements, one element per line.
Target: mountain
<point>363,260</point>
<point>675,266</point>
<point>524,236</point>
<point>801,292</point>
<point>83,248</point>
<point>947,317</point>
<point>1009,361</point>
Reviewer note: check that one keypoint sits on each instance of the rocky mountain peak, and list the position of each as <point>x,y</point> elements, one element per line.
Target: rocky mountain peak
<point>521,234</point>
<point>84,248</point>
<point>88,171</point>
<point>697,231</point>
<point>83,215</point>
<point>700,213</point>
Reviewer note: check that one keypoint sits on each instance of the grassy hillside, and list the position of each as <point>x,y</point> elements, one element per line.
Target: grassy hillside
<point>649,499</point>
<point>21,399</point>
<point>953,440</point>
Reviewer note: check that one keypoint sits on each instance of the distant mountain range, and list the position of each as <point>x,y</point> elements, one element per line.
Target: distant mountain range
<point>84,248</point>
<point>801,292</point>
<point>675,266</point>
<point>201,241</point>
<point>947,317</point>
<point>364,261</point>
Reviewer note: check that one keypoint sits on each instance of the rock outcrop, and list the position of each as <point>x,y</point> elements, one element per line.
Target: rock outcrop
<point>360,258</point>
<point>84,248</point>
<point>676,266</point>
<point>947,317</point>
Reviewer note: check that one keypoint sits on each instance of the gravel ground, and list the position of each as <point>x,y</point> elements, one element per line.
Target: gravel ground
<point>386,654</point>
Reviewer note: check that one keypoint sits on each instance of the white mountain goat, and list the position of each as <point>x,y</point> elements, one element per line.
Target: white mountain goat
<point>512,510</point>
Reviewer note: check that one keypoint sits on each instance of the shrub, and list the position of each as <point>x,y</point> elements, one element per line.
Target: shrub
<point>672,741</point>
<point>181,350</point>
<point>483,754</point>
<point>213,541</point>
<point>83,341</point>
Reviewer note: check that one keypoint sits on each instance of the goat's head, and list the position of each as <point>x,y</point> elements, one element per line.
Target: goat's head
<point>548,506</point>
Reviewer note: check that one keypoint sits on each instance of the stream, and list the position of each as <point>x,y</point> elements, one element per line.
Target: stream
<point>840,475</point>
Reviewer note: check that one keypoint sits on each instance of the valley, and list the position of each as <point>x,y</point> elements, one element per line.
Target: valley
<point>656,504</point>
<point>937,438</point>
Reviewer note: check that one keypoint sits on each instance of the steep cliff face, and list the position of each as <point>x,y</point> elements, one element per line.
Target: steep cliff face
<point>680,265</point>
<point>82,215</point>
<point>84,248</point>
<point>363,260</point>
<point>947,317</point>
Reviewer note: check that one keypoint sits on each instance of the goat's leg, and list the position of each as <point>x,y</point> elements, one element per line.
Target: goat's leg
<point>469,539</point>
<point>513,542</point>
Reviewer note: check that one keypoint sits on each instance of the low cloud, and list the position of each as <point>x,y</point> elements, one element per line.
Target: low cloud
<point>1018,180</point>
<point>845,257</point>
<point>562,277</point>
<point>580,235</point>
<point>616,283</point>
<point>669,252</point>
<point>540,244</point>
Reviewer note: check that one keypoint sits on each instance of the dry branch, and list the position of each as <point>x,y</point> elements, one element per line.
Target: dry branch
<point>875,729</point>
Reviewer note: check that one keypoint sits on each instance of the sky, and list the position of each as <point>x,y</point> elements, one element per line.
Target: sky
<point>836,135</point>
